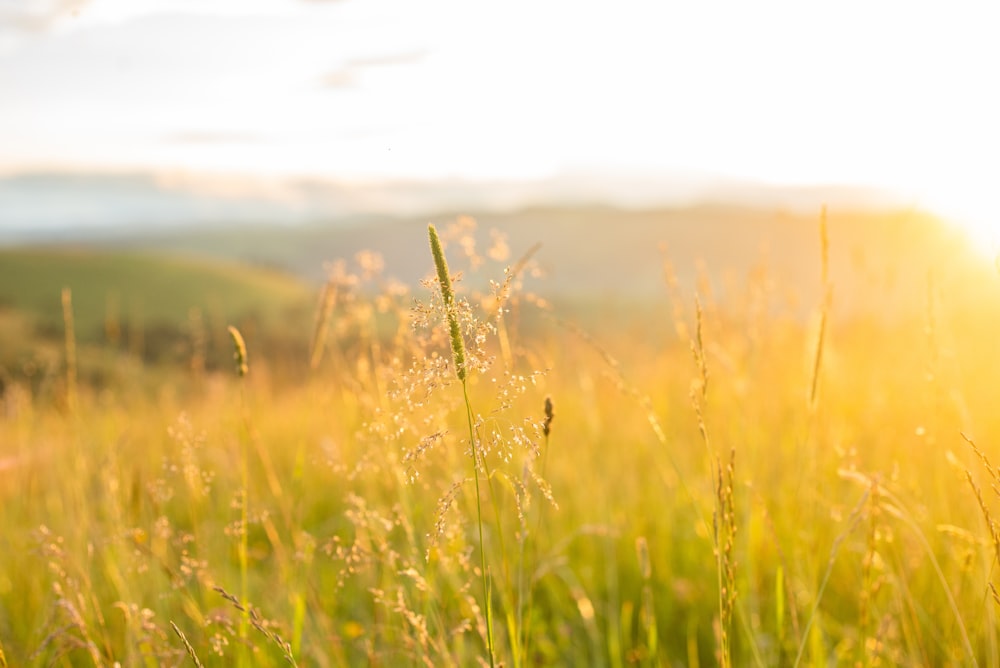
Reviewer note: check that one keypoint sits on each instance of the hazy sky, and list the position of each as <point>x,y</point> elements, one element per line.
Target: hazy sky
<point>902,95</point>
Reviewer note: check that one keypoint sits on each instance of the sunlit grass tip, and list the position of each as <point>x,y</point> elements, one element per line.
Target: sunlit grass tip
<point>448,297</point>
<point>239,351</point>
<point>549,415</point>
<point>187,646</point>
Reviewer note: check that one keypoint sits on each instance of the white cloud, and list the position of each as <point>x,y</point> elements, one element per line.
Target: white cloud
<point>37,15</point>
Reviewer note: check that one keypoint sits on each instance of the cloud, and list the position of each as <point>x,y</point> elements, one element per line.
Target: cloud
<point>36,16</point>
<point>388,60</point>
<point>348,75</point>
<point>208,137</point>
<point>24,20</point>
<point>340,78</point>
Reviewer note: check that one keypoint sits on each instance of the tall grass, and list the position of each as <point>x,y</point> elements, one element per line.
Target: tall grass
<point>242,369</point>
<point>458,358</point>
<point>70,339</point>
<point>737,484</point>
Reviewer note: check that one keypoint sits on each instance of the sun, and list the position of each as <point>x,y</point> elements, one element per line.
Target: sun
<point>983,234</point>
<point>968,208</point>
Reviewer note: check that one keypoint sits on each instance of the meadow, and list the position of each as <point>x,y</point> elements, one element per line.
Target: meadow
<point>747,476</point>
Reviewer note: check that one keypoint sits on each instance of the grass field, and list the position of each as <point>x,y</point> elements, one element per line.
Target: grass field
<point>732,483</point>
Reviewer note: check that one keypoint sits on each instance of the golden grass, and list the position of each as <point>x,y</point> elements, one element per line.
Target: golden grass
<point>742,485</point>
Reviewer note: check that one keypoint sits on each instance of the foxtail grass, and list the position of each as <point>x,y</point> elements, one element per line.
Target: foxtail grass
<point>459,360</point>
<point>239,352</point>
<point>67,313</point>
<point>242,369</point>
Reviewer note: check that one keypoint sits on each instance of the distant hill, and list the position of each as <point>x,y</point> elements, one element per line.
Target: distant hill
<point>147,288</point>
<point>61,206</point>
<point>591,250</point>
<point>880,261</point>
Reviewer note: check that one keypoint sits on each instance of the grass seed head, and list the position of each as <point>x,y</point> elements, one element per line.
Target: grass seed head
<point>448,297</point>
<point>239,351</point>
<point>549,414</point>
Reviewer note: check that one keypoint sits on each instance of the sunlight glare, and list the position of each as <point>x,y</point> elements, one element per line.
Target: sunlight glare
<point>963,201</point>
<point>980,227</point>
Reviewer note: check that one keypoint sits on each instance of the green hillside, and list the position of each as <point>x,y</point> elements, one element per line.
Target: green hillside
<point>143,288</point>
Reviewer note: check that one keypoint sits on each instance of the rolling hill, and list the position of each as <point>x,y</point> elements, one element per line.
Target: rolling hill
<point>152,288</point>
<point>879,259</point>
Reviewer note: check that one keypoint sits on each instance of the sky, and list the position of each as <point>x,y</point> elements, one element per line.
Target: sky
<point>894,95</point>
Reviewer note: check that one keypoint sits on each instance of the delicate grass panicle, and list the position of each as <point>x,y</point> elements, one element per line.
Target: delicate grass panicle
<point>458,353</point>
<point>265,627</point>
<point>503,450</point>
